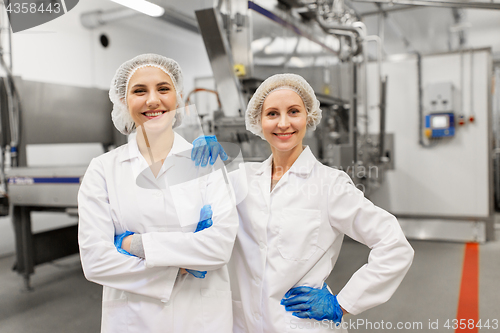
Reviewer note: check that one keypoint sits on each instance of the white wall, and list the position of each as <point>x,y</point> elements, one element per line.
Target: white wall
<point>450,179</point>
<point>428,30</point>
<point>63,51</point>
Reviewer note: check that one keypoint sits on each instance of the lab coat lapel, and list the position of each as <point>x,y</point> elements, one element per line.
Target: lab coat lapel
<point>181,149</point>
<point>302,166</point>
<point>304,163</point>
<point>264,178</point>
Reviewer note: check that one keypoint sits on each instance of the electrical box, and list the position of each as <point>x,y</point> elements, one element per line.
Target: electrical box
<point>438,125</point>
<point>440,108</point>
<point>440,97</point>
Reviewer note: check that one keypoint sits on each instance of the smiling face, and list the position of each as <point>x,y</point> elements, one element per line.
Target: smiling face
<point>151,98</point>
<point>284,120</point>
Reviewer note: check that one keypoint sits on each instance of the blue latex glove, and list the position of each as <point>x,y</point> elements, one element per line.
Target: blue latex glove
<point>312,303</point>
<point>205,147</point>
<point>197,274</point>
<point>205,218</point>
<point>119,240</point>
<point>205,222</point>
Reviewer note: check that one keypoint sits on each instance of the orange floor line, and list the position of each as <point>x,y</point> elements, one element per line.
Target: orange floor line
<point>468,299</point>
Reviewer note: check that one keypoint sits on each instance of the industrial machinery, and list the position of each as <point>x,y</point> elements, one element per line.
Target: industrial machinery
<point>48,135</point>
<point>70,133</point>
<point>323,41</point>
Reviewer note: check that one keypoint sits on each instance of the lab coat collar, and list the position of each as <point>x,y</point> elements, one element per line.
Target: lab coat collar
<point>305,163</point>
<point>302,166</point>
<point>265,165</point>
<point>264,174</point>
<point>181,147</point>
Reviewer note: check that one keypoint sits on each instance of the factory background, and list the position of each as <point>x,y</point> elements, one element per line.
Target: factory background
<point>410,93</point>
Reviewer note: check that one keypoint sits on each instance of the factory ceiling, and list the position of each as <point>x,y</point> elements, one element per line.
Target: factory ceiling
<point>405,25</point>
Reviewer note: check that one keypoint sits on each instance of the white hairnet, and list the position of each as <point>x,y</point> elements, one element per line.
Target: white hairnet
<point>119,85</point>
<point>293,82</point>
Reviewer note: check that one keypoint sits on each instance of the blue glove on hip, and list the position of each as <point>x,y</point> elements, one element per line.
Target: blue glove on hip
<point>119,241</point>
<point>205,147</point>
<point>312,303</point>
<point>205,222</point>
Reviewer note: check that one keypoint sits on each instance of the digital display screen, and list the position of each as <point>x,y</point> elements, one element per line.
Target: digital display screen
<point>440,122</point>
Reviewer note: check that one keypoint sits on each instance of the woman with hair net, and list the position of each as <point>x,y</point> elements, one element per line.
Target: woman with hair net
<point>294,212</point>
<point>150,240</point>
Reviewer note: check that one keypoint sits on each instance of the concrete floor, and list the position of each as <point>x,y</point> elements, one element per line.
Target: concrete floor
<point>63,301</point>
<point>430,290</point>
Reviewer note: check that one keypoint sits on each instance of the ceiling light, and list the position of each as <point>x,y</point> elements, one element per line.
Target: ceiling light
<point>142,6</point>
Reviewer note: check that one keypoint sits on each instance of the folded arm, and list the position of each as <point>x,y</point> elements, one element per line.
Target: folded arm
<point>101,262</point>
<point>206,250</point>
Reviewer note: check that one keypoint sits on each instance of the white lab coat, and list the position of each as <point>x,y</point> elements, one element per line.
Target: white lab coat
<point>292,237</point>
<point>119,193</point>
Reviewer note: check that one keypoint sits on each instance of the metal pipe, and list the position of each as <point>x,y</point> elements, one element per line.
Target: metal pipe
<point>14,137</point>
<point>381,27</point>
<point>420,101</point>
<point>13,109</point>
<point>496,122</point>
<point>357,33</point>
<point>439,3</point>
<point>378,41</point>
<point>387,10</point>
<point>10,88</point>
<point>471,80</point>
<point>9,34</point>
<point>490,227</point>
<point>353,119</point>
<point>383,98</point>
<point>358,28</point>
<point>462,85</point>
<point>361,28</point>
<point>344,33</point>
<point>3,143</point>
<point>364,83</point>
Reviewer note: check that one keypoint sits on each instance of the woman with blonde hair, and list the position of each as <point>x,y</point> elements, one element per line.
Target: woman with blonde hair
<point>139,230</point>
<point>294,212</point>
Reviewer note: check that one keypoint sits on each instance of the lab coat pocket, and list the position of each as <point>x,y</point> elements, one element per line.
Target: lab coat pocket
<point>115,311</point>
<point>298,233</point>
<point>188,200</point>
<point>217,311</point>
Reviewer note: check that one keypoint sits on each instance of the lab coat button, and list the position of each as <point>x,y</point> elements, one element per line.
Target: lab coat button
<point>159,193</point>
<point>262,246</point>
